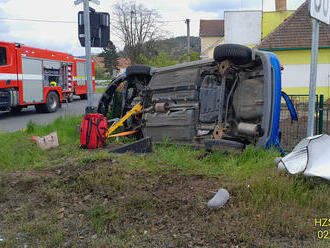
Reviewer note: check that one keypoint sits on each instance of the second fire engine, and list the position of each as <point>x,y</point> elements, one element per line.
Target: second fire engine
<point>39,77</point>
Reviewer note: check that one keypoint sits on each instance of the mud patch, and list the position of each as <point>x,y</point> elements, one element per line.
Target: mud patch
<point>104,204</point>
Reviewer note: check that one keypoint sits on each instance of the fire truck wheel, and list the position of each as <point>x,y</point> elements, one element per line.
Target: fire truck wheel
<point>70,98</point>
<point>15,109</point>
<point>83,96</point>
<point>40,108</point>
<point>52,103</point>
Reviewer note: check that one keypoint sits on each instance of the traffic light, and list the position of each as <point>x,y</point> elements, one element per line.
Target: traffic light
<point>100,28</point>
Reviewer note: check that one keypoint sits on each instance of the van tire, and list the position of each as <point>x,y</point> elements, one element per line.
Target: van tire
<point>235,53</point>
<point>103,105</point>
<point>223,144</point>
<point>138,70</point>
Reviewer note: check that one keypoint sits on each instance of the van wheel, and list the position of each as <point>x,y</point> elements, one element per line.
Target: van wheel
<point>141,72</point>
<point>105,101</point>
<point>235,53</point>
<point>135,70</point>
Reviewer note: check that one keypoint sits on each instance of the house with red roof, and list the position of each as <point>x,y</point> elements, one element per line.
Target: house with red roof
<point>291,41</point>
<point>211,33</point>
<point>284,32</point>
<point>123,63</point>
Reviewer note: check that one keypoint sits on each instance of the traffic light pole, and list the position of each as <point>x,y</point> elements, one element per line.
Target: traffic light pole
<point>90,94</point>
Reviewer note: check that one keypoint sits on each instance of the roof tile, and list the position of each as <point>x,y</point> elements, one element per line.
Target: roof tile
<point>296,32</point>
<point>211,28</point>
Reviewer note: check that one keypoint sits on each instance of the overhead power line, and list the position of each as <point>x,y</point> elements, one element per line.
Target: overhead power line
<point>183,20</point>
<point>35,20</point>
<point>59,21</point>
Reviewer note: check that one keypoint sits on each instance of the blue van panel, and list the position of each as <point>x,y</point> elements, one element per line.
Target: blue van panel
<point>276,69</point>
<point>291,108</point>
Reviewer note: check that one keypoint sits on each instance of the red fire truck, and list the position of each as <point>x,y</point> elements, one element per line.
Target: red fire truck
<point>39,77</point>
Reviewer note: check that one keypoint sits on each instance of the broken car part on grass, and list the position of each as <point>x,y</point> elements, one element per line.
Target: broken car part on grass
<point>219,199</point>
<point>227,102</point>
<point>310,157</point>
<point>46,142</point>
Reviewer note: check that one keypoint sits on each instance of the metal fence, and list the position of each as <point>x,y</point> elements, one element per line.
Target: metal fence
<point>294,131</point>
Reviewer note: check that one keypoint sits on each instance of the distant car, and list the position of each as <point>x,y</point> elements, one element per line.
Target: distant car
<point>229,102</point>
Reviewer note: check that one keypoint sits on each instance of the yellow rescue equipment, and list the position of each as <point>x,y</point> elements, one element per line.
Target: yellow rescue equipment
<point>135,110</point>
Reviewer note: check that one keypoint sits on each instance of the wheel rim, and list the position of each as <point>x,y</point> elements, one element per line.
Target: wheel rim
<point>52,101</point>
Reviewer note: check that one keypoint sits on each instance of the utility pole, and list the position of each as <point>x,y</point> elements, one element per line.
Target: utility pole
<point>87,28</point>
<point>320,12</point>
<point>188,39</point>
<point>313,77</point>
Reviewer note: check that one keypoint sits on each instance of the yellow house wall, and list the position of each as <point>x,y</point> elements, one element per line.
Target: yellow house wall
<point>296,58</point>
<point>208,44</point>
<point>271,20</point>
<point>303,57</point>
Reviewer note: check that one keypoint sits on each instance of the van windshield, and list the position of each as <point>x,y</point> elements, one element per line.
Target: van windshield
<point>3,56</point>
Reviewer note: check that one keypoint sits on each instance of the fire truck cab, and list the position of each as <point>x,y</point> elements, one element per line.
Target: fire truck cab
<point>39,77</point>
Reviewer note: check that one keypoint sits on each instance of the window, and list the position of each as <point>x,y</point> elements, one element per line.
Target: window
<point>3,56</point>
<point>51,76</point>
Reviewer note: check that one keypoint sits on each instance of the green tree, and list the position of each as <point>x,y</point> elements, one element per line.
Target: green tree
<point>138,27</point>
<point>193,56</point>
<point>99,72</point>
<point>161,60</point>
<point>110,57</point>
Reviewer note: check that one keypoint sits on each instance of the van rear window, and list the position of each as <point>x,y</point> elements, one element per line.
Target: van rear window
<point>3,56</point>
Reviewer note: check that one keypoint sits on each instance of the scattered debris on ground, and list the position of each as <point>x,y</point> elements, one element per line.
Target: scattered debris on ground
<point>309,157</point>
<point>219,200</point>
<point>48,141</point>
<point>142,146</point>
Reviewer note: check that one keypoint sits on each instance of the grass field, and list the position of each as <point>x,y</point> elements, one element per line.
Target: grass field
<point>19,153</point>
<point>69,197</point>
<point>99,90</point>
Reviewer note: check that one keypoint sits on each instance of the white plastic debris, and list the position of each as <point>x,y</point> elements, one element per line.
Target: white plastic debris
<point>310,157</point>
<point>220,199</point>
<point>47,142</point>
<point>2,240</point>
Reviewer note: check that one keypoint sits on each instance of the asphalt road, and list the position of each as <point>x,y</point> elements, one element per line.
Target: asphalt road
<point>11,122</point>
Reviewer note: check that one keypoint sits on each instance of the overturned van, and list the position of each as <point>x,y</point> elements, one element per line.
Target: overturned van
<point>229,101</point>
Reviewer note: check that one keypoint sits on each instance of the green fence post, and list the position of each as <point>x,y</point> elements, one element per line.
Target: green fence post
<point>321,114</point>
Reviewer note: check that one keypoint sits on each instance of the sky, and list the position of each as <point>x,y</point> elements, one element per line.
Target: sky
<point>62,35</point>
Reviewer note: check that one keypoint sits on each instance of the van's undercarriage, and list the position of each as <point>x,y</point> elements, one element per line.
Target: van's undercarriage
<point>225,101</point>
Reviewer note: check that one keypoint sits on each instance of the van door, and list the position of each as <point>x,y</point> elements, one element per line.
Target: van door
<point>32,80</point>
